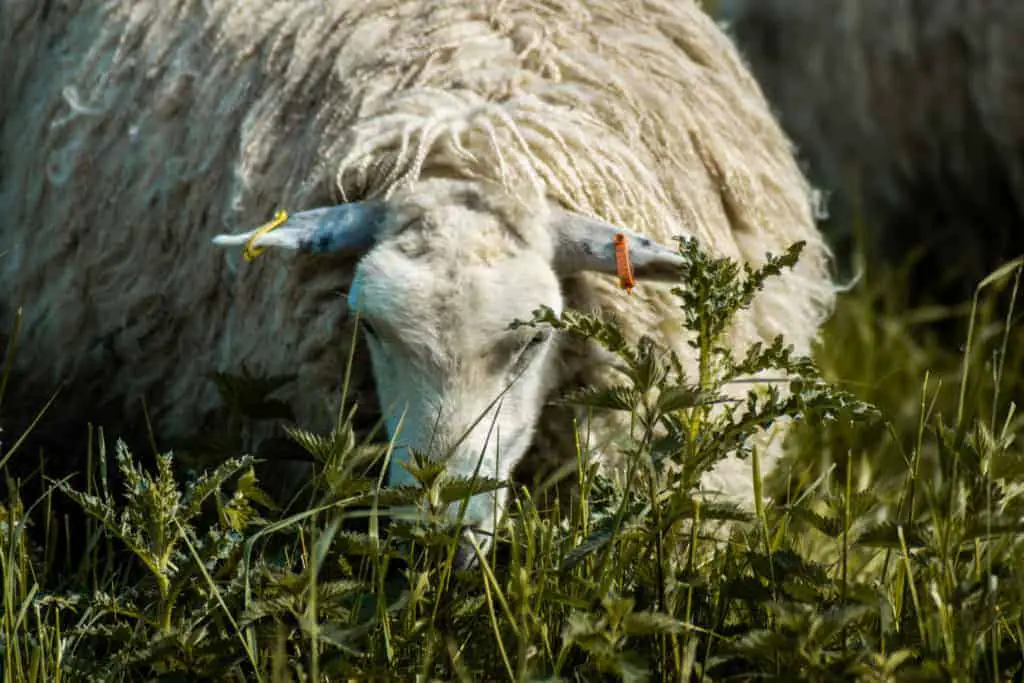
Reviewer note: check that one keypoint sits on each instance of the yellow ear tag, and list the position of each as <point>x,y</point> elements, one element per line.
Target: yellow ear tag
<point>252,251</point>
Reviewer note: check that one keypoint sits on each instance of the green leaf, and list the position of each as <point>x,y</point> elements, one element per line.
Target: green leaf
<point>622,398</point>
<point>652,623</point>
<point>461,488</point>
<point>209,482</point>
<point>830,526</point>
<point>679,397</point>
<point>886,535</point>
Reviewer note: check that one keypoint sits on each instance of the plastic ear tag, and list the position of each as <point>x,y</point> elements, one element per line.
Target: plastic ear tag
<point>623,266</point>
<point>251,250</point>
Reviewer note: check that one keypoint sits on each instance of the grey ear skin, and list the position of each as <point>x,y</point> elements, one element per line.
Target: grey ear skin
<point>587,244</point>
<point>344,228</point>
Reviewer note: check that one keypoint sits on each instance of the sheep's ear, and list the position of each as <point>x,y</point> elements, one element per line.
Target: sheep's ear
<point>588,244</point>
<point>351,227</point>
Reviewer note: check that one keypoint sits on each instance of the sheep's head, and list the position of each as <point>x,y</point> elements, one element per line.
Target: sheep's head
<point>445,270</point>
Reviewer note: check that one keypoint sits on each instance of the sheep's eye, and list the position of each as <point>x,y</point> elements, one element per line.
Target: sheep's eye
<point>513,351</point>
<point>536,340</point>
<point>526,351</point>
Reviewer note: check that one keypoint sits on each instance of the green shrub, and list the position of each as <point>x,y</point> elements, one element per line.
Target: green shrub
<point>890,547</point>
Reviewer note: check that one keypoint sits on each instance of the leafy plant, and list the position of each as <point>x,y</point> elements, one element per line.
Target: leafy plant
<point>852,569</point>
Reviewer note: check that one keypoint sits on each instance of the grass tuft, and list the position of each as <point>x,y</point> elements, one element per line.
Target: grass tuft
<point>888,546</point>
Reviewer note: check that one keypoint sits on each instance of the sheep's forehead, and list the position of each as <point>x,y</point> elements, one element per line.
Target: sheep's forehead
<point>454,298</point>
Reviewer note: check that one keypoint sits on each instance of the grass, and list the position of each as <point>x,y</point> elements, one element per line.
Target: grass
<point>892,547</point>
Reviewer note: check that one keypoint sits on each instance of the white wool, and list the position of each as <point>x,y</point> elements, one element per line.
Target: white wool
<point>142,129</point>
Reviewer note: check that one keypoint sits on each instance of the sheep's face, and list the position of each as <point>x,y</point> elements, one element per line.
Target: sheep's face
<point>435,301</point>
<point>446,269</point>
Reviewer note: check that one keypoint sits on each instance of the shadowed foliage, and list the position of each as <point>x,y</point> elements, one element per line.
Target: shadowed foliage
<point>891,549</point>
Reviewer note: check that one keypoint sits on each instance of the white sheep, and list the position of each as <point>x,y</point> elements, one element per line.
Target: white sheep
<point>466,162</point>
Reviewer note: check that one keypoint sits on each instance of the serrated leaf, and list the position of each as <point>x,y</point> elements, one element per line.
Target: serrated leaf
<point>458,489</point>
<point>424,470</point>
<point>209,482</point>
<point>679,397</point>
<point>647,369</point>
<point>886,535</point>
<point>799,591</point>
<point>330,448</point>
<point>651,623</point>
<point>622,398</point>
<point>595,541</point>
<point>710,511</point>
<point>830,526</point>
<point>397,496</point>
<point>285,604</point>
<point>470,606</point>
<point>332,590</point>
<point>863,502</point>
<point>248,486</point>
<point>350,542</point>
<point>784,564</point>
<point>335,635</point>
<point>761,645</point>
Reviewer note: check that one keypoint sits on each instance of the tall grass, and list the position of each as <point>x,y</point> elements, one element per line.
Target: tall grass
<point>887,547</point>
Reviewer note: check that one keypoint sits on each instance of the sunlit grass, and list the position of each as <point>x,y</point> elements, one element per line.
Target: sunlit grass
<point>888,546</point>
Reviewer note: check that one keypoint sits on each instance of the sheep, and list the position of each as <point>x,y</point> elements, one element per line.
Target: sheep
<point>908,115</point>
<point>448,168</point>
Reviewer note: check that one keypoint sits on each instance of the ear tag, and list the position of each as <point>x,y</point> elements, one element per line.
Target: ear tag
<point>623,266</point>
<point>252,251</point>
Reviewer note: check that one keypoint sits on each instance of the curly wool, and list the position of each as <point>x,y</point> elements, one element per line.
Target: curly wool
<point>141,129</point>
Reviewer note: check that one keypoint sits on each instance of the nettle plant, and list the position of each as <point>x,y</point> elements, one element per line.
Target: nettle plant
<point>617,584</point>
<point>682,426</point>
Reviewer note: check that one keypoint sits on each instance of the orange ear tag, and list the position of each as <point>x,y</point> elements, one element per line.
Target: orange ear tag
<point>623,266</point>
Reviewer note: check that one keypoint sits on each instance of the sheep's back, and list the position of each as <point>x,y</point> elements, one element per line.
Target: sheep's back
<point>164,123</point>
